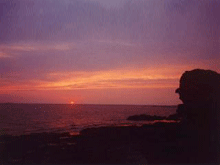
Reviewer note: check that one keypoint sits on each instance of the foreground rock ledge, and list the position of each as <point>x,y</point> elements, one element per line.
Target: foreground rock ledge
<point>157,143</point>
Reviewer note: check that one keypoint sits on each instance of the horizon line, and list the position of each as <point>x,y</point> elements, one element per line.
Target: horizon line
<point>91,104</point>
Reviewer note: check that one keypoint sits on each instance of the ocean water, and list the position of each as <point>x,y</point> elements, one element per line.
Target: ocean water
<point>19,119</point>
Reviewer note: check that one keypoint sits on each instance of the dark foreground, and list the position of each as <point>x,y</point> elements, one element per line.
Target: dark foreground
<point>152,144</point>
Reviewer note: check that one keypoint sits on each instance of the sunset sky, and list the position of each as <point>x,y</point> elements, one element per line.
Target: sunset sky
<point>104,51</point>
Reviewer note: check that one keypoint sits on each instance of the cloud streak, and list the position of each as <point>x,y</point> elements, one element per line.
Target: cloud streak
<point>92,44</point>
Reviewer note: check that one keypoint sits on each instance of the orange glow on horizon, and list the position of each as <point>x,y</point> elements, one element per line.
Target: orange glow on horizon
<point>130,77</point>
<point>121,78</point>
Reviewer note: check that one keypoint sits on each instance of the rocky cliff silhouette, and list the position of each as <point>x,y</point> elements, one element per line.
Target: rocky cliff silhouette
<point>199,91</point>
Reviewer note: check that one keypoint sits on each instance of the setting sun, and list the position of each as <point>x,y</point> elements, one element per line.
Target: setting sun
<point>72,102</point>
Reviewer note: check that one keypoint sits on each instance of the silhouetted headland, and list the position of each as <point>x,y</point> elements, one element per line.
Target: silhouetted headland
<point>200,92</point>
<point>195,139</point>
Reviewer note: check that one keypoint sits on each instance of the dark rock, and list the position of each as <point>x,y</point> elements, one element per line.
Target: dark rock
<point>158,143</point>
<point>180,110</point>
<point>145,117</point>
<point>173,117</point>
<point>179,115</point>
<point>200,92</point>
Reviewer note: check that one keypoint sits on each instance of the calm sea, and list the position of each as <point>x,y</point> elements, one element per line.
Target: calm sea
<point>18,119</point>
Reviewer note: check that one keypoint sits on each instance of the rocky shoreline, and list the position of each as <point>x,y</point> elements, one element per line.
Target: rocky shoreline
<point>158,143</point>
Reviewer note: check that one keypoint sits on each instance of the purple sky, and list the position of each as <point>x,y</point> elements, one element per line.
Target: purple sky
<point>56,51</point>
